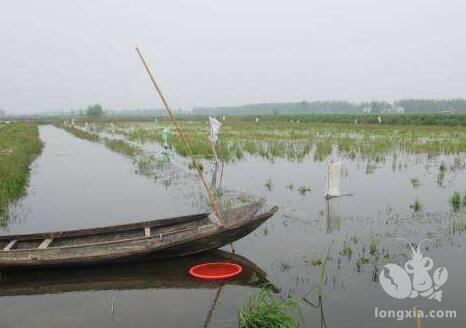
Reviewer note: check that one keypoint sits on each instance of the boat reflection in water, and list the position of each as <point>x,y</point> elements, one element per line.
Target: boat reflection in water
<point>161,274</point>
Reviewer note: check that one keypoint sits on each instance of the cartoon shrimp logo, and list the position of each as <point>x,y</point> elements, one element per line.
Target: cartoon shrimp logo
<point>397,283</point>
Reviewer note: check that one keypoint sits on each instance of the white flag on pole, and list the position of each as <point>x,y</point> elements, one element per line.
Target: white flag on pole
<point>214,129</point>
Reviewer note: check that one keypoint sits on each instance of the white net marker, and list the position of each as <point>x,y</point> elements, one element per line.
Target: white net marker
<point>214,129</point>
<point>333,180</point>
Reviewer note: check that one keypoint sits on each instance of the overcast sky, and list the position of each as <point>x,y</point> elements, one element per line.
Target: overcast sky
<point>59,54</point>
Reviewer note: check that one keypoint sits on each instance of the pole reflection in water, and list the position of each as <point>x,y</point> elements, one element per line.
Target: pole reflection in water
<point>332,214</point>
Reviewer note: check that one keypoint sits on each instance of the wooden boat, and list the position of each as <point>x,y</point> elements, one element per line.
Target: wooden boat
<point>164,274</point>
<point>155,239</point>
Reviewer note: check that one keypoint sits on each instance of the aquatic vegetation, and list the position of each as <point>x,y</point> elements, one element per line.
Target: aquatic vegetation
<point>266,310</point>
<point>316,262</point>
<point>81,133</point>
<point>457,226</point>
<point>375,273</point>
<point>360,262</point>
<point>370,168</point>
<point>441,173</point>
<point>373,247</point>
<point>440,177</point>
<point>122,147</point>
<point>416,206</point>
<point>278,138</point>
<point>442,167</point>
<point>116,145</point>
<point>19,146</point>
<point>285,265</point>
<point>303,190</point>
<point>269,185</point>
<point>346,250</point>
<point>415,183</point>
<point>456,200</point>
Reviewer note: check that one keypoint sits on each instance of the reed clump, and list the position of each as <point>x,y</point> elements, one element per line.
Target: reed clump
<point>458,199</point>
<point>416,206</point>
<point>266,310</point>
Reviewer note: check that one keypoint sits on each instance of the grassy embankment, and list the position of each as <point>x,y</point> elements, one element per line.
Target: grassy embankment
<point>118,146</point>
<point>19,146</point>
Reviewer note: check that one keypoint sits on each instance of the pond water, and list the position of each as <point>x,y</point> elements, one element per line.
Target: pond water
<point>77,183</point>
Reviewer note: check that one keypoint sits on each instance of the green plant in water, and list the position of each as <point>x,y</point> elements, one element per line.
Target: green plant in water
<point>285,265</point>
<point>360,262</point>
<point>373,247</point>
<point>316,262</point>
<point>122,147</point>
<point>346,250</point>
<point>370,168</point>
<point>269,184</point>
<point>441,173</point>
<point>415,182</point>
<point>443,167</point>
<point>266,310</point>
<point>416,206</point>
<point>440,178</point>
<point>456,200</point>
<point>303,190</point>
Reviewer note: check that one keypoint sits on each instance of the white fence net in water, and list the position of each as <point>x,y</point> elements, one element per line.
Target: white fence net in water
<point>333,180</point>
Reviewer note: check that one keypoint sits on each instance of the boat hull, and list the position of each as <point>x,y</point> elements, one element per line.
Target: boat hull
<point>149,240</point>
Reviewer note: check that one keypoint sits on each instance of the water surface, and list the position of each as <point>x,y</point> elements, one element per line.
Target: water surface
<point>76,183</point>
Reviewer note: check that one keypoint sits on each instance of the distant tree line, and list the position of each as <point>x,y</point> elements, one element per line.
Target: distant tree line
<point>95,111</point>
<point>338,107</point>
<point>433,106</point>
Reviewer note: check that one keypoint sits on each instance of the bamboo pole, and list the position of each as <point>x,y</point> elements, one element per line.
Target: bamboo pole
<point>183,138</point>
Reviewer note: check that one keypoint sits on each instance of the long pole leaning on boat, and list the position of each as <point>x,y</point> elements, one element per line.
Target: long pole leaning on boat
<point>210,194</point>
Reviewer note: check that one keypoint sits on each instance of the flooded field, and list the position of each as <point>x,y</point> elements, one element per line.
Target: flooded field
<point>398,182</point>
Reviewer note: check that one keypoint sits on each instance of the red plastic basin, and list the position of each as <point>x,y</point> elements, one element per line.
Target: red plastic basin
<point>215,271</point>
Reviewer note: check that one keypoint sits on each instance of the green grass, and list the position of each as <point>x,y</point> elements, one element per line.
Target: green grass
<point>360,262</point>
<point>122,147</point>
<point>303,190</point>
<point>266,310</point>
<point>373,247</point>
<point>81,134</point>
<point>415,183</point>
<point>19,146</point>
<point>346,250</point>
<point>118,146</point>
<point>279,138</point>
<point>457,200</point>
<point>416,206</point>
